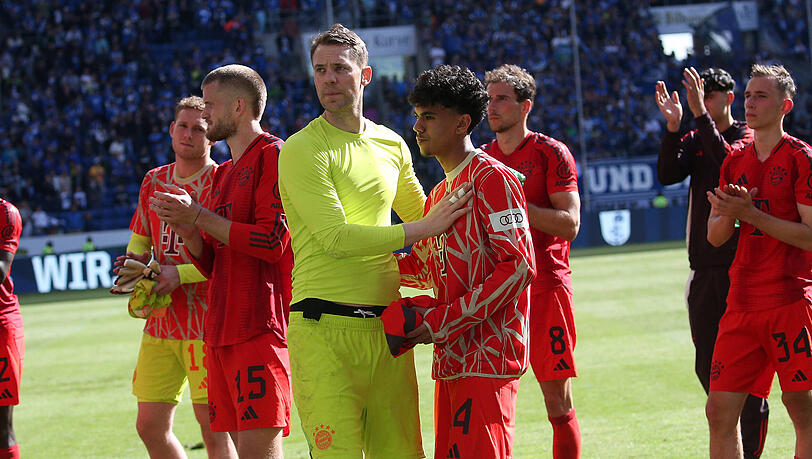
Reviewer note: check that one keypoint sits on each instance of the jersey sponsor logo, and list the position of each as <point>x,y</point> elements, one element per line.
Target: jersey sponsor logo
<point>509,219</point>
<point>170,241</point>
<point>742,180</point>
<point>764,206</point>
<point>323,436</point>
<point>799,376</point>
<point>244,174</point>
<point>777,175</point>
<point>276,193</point>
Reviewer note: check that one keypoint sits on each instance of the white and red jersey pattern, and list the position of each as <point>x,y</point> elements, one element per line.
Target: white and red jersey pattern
<point>549,168</point>
<point>480,270</point>
<point>11,225</point>
<point>184,320</point>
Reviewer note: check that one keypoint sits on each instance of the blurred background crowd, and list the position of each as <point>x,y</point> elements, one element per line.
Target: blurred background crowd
<point>87,88</point>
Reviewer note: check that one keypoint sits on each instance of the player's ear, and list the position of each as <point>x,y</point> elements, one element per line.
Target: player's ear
<point>730,97</point>
<point>527,105</point>
<point>366,75</point>
<point>171,128</point>
<point>462,124</point>
<point>787,107</point>
<point>239,105</point>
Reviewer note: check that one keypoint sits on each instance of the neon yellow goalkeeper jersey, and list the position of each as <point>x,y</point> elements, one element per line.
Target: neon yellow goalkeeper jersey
<point>338,189</point>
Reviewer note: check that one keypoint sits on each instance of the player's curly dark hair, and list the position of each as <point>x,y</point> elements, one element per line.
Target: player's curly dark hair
<point>452,87</point>
<point>717,80</point>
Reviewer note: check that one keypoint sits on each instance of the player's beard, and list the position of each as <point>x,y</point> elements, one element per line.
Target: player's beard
<point>222,130</point>
<point>502,126</point>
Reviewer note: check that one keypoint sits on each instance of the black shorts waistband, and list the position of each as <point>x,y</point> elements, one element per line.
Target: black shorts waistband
<point>313,308</point>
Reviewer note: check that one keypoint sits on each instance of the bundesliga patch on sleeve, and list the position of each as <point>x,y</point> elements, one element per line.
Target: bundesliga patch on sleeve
<point>508,219</point>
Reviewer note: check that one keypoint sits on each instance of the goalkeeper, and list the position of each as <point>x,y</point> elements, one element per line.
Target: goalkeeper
<point>172,352</point>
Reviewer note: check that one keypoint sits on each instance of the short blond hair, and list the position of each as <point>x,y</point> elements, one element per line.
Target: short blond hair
<point>243,79</point>
<point>783,80</point>
<point>191,102</point>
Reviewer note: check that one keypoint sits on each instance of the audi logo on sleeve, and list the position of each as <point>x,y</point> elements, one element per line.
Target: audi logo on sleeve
<point>508,219</point>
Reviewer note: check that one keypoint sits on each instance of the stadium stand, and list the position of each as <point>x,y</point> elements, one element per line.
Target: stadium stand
<point>87,88</point>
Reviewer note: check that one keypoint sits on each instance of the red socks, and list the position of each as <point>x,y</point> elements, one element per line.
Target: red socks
<point>10,453</point>
<point>566,436</point>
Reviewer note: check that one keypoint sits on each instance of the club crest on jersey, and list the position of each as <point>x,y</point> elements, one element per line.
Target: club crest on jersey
<point>616,226</point>
<point>323,436</point>
<point>526,168</point>
<point>508,219</point>
<point>244,174</point>
<point>777,175</point>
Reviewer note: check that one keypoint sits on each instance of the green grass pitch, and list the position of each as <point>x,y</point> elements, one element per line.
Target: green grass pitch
<point>636,395</point>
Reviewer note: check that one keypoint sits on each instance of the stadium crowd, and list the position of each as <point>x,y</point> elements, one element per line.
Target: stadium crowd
<point>87,88</point>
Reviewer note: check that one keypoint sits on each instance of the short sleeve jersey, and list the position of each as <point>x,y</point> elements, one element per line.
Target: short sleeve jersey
<point>767,273</point>
<point>11,225</point>
<point>548,167</point>
<point>249,279</point>
<point>339,189</point>
<point>480,269</point>
<point>184,320</point>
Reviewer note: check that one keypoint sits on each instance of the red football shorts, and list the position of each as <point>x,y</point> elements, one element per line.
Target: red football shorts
<point>552,331</point>
<point>249,385</point>
<point>12,349</point>
<point>754,345</point>
<point>475,417</point>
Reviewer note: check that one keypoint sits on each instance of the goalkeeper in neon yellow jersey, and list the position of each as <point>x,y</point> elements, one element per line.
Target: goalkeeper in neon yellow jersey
<point>172,352</point>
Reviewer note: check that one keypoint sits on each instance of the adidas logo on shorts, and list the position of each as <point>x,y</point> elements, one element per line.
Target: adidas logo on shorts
<point>799,376</point>
<point>562,365</point>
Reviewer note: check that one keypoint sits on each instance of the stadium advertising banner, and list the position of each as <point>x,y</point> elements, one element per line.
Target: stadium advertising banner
<point>683,18</point>
<point>381,41</point>
<point>627,181</point>
<point>64,271</point>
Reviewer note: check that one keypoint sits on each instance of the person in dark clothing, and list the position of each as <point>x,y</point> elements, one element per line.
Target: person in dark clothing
<point>699,154</point>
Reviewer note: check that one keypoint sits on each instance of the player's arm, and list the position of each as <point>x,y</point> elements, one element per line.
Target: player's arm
<point>309,191</point>
<point>11,239</point>
<point>798,234</point>
<point>6,258</point>
<point>737,202</point>
<point>720,226</point>
<point>671,167</point>
<point>513,272</point>
<point>562,220</point>
<point>414,271</point>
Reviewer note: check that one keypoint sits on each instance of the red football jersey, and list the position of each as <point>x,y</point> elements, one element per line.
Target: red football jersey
<point>480,270</point>
<point>250,284</point>
<point>184,320</point>
<point>767,273</point>
<point>12,226</point>
<point>548,167</point>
